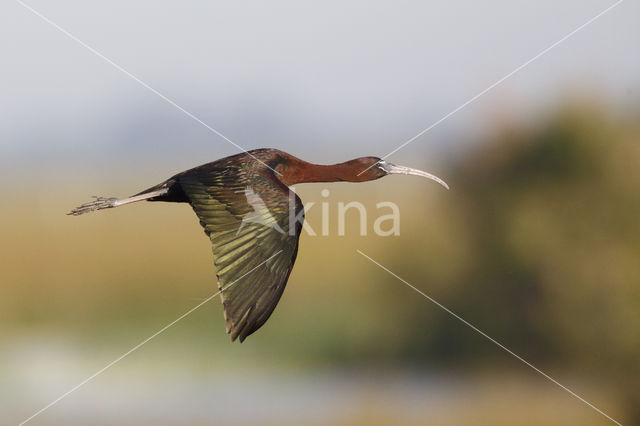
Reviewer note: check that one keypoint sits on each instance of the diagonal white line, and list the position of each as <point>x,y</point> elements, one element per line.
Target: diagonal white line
<point>136,79</point>
<point>467,323</point>
<point>94,375</point>
<point>540,54</point>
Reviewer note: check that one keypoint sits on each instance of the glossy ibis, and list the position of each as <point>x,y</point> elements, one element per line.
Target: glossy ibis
<point>248,212</point>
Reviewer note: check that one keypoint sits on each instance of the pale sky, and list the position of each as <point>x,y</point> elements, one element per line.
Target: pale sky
<point>325,80</point>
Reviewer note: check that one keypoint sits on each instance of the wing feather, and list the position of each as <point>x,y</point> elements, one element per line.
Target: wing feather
<point>246,213</point>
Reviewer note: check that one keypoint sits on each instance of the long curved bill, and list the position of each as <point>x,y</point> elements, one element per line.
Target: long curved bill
<point>403,170</point>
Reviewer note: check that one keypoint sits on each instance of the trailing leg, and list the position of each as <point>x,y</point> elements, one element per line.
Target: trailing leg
<point>109,202</point>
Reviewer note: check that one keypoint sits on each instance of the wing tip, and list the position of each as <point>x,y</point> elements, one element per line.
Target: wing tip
<point>237,334</point>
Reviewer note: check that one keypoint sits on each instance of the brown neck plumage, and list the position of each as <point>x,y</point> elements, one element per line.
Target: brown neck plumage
<point>296,171</point>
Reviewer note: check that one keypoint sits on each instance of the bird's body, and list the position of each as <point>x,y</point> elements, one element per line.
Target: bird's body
<point>253,220</point>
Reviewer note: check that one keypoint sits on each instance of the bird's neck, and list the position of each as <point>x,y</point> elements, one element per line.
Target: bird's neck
<point>299,171</point>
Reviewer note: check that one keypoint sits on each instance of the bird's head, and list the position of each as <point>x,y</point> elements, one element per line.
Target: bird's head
<point>292,170</point>
<point>372,168</point>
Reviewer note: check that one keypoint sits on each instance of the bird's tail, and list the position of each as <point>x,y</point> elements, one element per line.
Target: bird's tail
<point>109,202</point>
<point>98,204</point>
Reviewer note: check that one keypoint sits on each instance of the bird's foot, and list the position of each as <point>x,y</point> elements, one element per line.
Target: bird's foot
<point>98,204</point>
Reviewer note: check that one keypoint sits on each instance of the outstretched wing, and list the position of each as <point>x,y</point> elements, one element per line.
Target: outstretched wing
<point>250,216</point>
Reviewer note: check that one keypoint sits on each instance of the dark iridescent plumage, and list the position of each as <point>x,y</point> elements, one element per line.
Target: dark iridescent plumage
<point>250,215</point>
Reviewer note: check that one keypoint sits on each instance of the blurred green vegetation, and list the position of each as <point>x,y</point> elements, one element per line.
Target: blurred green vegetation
<point>537,244</point>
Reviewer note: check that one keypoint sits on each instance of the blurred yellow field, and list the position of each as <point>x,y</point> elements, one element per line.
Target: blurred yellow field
<point>542,256</point>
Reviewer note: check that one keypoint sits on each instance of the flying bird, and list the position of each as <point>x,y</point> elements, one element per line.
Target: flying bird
<point>253,220</point>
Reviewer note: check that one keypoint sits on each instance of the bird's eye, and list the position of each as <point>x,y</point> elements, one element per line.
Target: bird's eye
<point>382,165</point>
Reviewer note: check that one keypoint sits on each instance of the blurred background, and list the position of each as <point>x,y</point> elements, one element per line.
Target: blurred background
<point>537,243</point>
